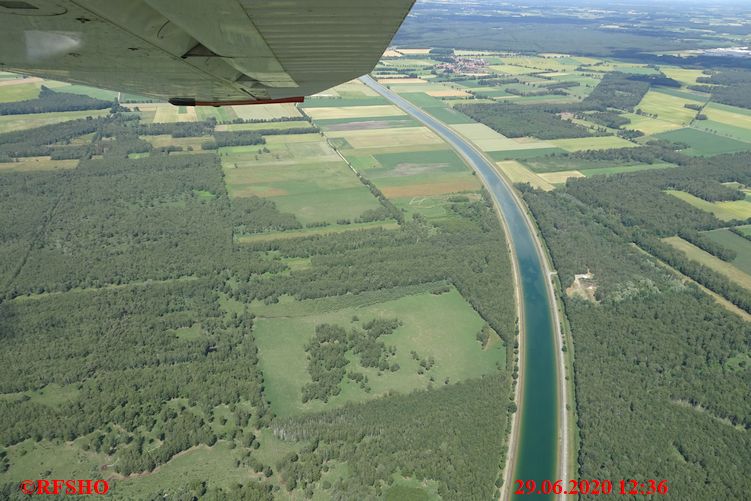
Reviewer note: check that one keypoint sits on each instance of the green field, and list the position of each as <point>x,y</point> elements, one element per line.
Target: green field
<point>421,174</point>
<point>724,129</point>
<point>592,143</point>
<point>433,208</point>
<point>301,174</point>
<point>10,123</point>
<point>685,76</point>
<point>442,326</point>
<point>683,94</point>
<point>319,230</point>
<point>390,161</point>
<point>325,102</point>
<point>44,459</point>
<point>338,124</point>
<point>737,243</point>
<point>732,272</point>
<point>19,92</point>
<point>437,107</point>
<point>222,115</point>
<point>732,115</point>
<point>625,168</point>
<point>52,395</point>
<point>265,126</point>
<point>649,125</point>
<point>104,95</point>
<point>524,154</point>
<point>565,163</point>
<point>216,464</point>
<point>264,111</point>
<point>312,202</point>
<point>667,107</point>
<point>314,192</point>
<point>449,115</point>
<point>726,211</point>
<point>703,143</point>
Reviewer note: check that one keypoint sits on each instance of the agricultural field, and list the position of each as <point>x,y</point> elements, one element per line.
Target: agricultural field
<point>292,124</point>
<point>560,177</point>
<point>592,143</point>
<point>667,108</point>
<point>10,123</point>
<point>420,174</point>
<point>649,125</point>
<point>18,90</point>
<point>489,140</point>
<point>221,115</point>
<point>375,138</point>
<point>724,129</point>
<point>704,143</point>
<point>301,174</point>
<point>326,112</point>
<point>524,154</point>
<point>407,163</point>
<point>162,141</point>
<point>730,115</point>
<point>730,271</point>
<point>518,173</point>
<point>684,76</point>
<point>746,230</point>
<point>625,168</point>
<point>36,164</point>
<point>736,243</point>
<point>344,124</point>
<point>315,231</point>
<point>726,211</point>
<point>166,113</point>
<point>104,95</point>
<point>266,111</point>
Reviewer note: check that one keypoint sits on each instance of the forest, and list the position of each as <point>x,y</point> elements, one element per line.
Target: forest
<point>513,120</point>
<point>400,430</point>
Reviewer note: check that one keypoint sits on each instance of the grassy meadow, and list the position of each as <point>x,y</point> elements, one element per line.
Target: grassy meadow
<point>440,326</point>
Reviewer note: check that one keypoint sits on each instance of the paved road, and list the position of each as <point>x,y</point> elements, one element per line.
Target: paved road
<point>541,326</point>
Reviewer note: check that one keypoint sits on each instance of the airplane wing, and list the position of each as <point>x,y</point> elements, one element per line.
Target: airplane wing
<point>199,51</point>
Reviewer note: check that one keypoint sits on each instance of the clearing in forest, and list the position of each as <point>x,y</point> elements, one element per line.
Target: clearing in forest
<point>443,327</point>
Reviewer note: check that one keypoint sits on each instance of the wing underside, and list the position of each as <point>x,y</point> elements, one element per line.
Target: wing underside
<point>201,50</point>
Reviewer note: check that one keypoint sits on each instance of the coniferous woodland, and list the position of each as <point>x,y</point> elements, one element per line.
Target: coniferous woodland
<point>112,277</point>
